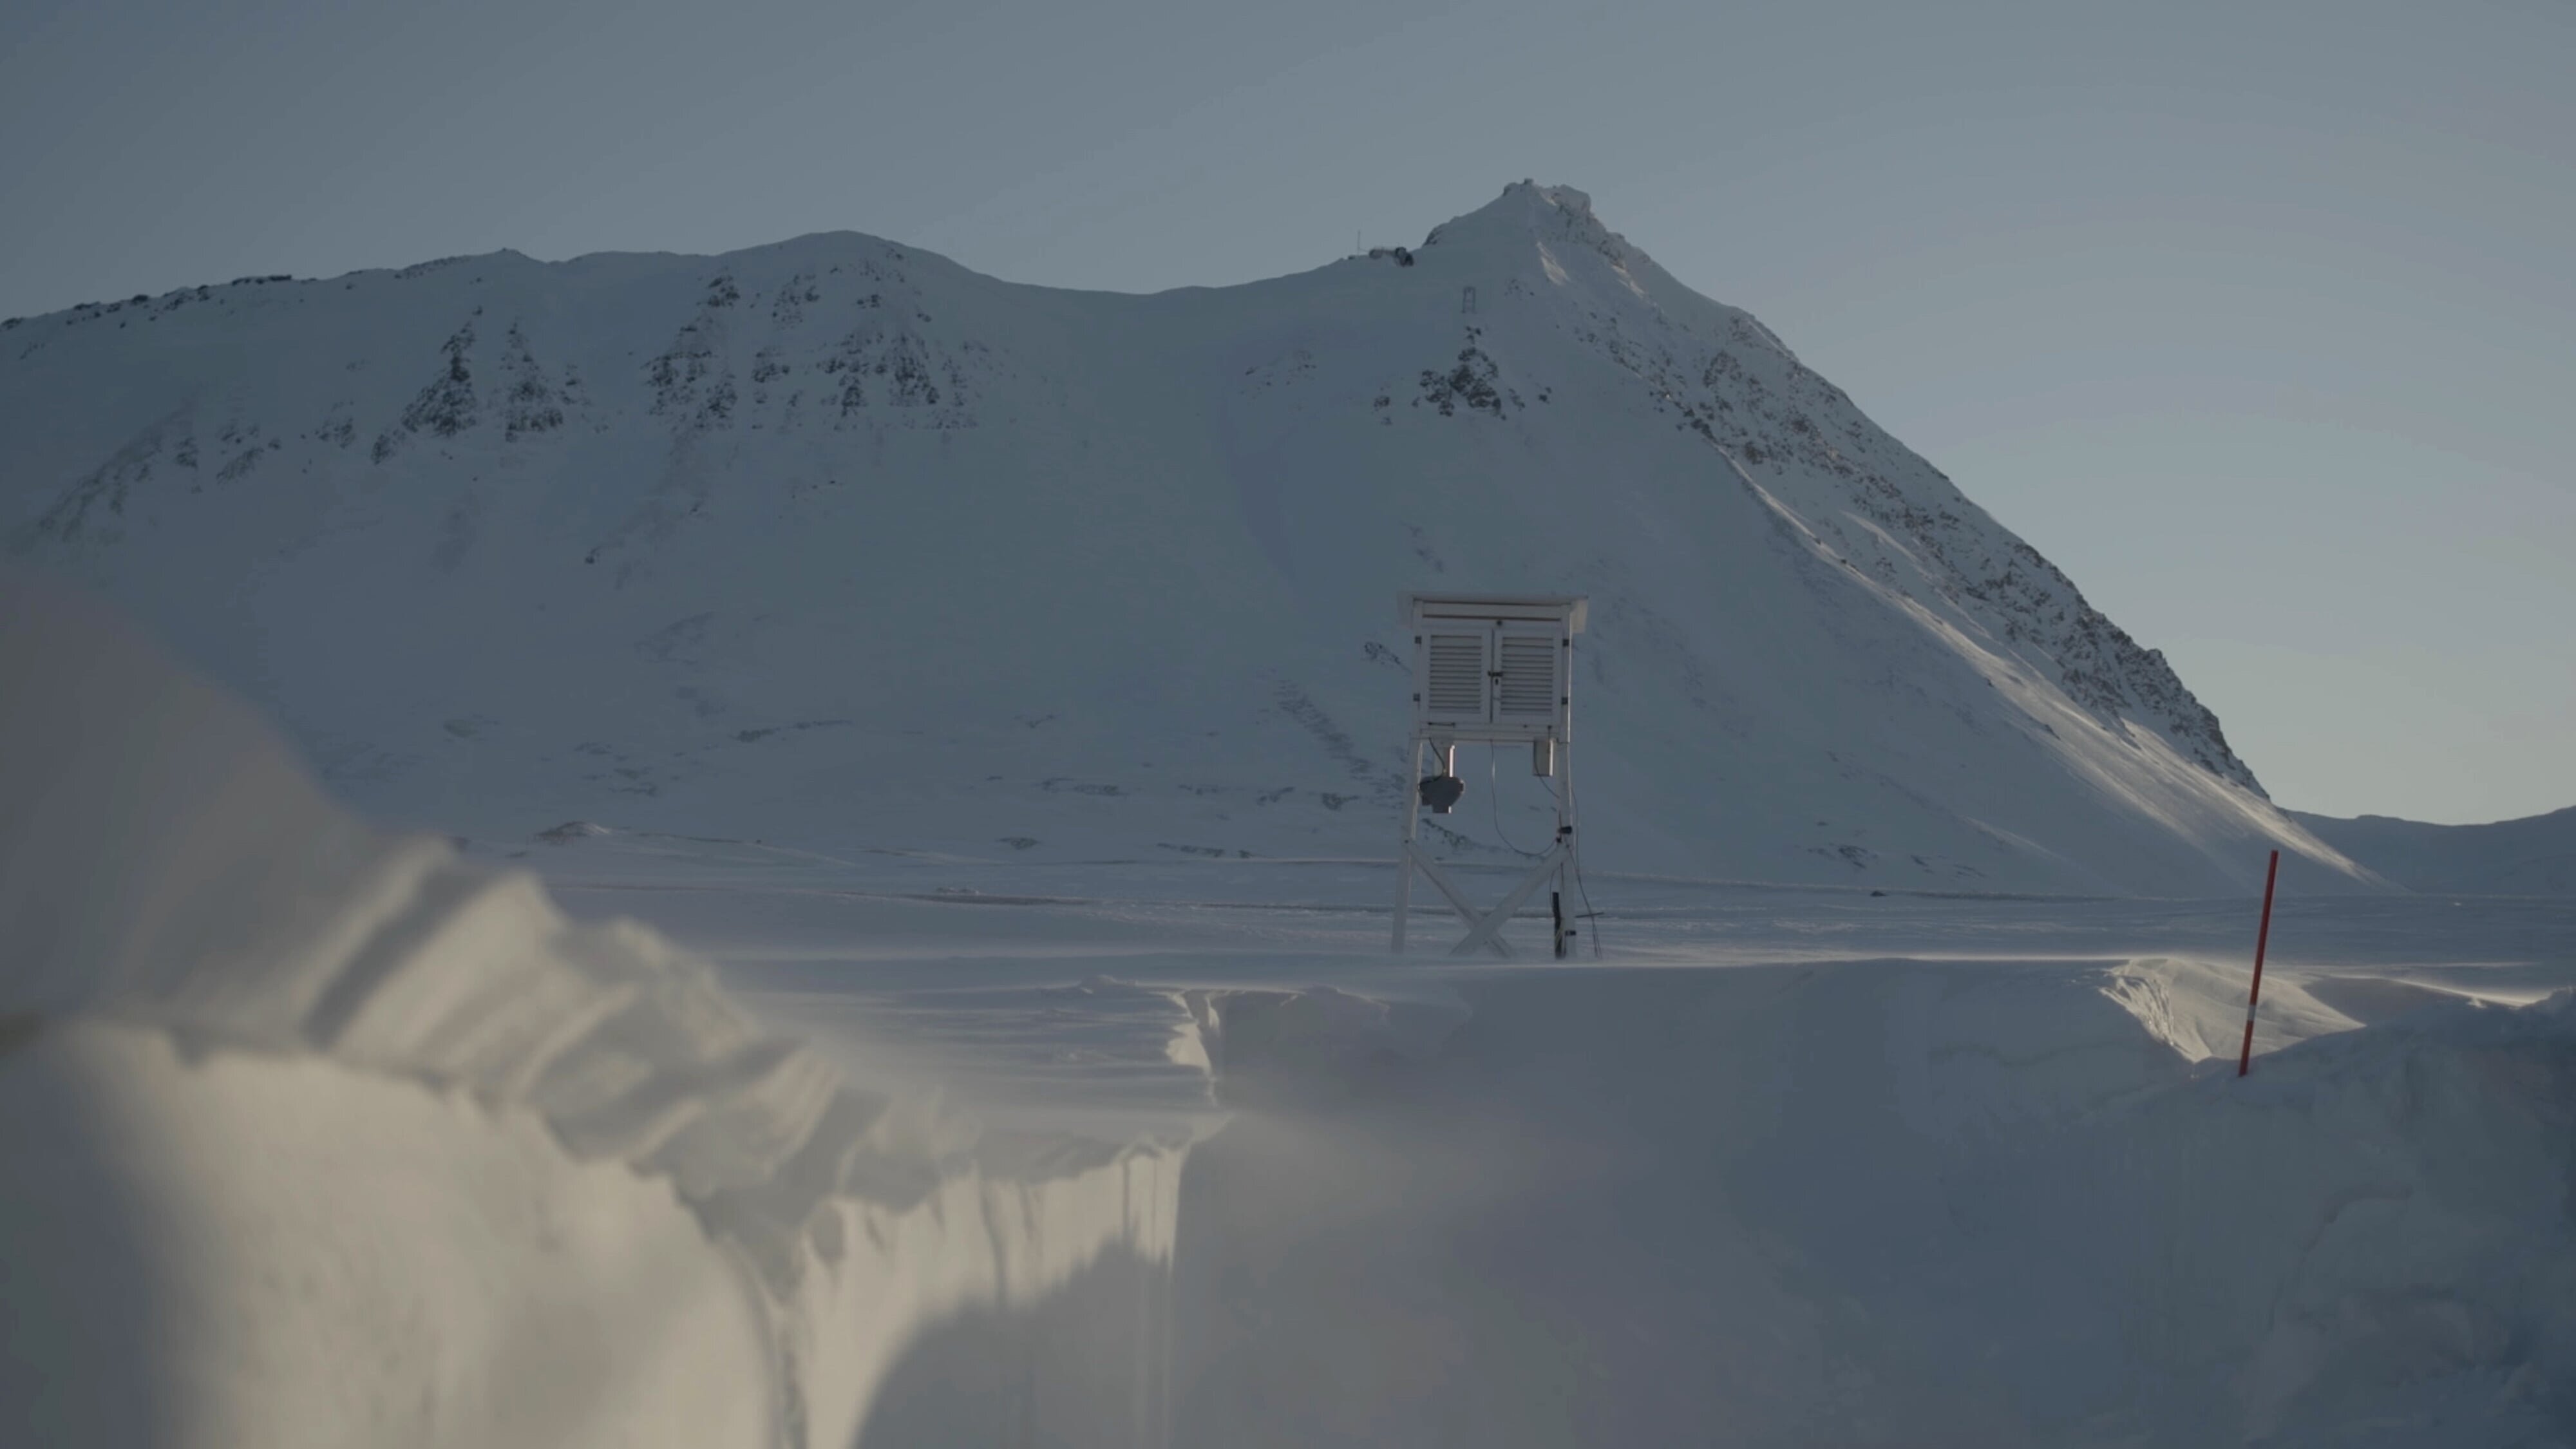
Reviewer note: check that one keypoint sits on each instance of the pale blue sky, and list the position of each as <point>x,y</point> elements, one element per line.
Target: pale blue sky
<point>2259,319</point>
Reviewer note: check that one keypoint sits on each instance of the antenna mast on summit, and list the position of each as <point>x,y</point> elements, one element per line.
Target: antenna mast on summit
<point>1493,669</point>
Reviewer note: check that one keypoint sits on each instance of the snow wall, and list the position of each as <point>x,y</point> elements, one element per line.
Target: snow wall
<point>318,1136</point>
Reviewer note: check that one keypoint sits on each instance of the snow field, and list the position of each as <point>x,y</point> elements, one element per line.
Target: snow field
<point>1809,1167</point>
<point>321,1136</point>
<point>1894,1203</point>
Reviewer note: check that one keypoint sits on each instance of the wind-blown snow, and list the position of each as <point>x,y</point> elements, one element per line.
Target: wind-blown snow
<point>320,1136</point>
<point>837,543</point>
<point>1813,1167</point>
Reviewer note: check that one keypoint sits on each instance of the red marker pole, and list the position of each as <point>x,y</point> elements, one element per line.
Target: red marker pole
<point>2262,938</point>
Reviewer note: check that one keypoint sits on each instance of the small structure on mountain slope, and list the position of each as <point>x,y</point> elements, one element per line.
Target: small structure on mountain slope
<point>1495,670</point>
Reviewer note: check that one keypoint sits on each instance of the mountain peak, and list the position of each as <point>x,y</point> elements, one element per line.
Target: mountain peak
<point>1528,199</point>
<point>1528,210</point>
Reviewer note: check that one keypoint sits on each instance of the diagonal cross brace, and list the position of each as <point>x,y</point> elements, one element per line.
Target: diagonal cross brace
<point>1484,928</point>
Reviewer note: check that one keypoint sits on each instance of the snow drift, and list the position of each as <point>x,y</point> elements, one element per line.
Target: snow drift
<point>1881,1203</point>
<point>835,541</point>
<point>322,1136</point>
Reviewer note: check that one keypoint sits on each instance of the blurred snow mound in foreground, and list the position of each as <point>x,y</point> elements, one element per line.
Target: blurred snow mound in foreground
<point>306,1079</point>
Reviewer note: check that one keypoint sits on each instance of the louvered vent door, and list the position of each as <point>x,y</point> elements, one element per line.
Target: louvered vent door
<point>1527,691</point>
<point>1455,692</point>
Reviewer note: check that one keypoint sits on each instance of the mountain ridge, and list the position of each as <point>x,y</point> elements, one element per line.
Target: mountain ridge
<point>2529,855</point>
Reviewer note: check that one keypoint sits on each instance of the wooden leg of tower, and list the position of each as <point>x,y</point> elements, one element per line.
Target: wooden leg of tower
<point>1403,892</point>
<point>1404,852</point>
<point>1564,839</point>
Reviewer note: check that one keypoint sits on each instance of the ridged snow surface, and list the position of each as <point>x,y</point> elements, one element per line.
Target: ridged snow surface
<point>323,1136</point>
<point>838,542</point>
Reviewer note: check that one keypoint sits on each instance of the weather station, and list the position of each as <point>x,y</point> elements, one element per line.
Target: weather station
<point>1494,670</point>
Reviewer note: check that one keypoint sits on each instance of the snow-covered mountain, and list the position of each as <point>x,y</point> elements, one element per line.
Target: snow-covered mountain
<point>836,541</point>
<point>2532,856</point>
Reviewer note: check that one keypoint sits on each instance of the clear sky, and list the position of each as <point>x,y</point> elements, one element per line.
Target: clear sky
<point>2258,318</point>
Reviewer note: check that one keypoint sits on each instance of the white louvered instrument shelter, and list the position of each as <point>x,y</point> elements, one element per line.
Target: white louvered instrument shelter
<point>1493,668</point>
